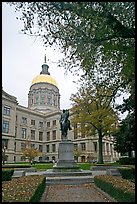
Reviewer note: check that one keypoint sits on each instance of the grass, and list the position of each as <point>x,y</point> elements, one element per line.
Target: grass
<point>43,166</point>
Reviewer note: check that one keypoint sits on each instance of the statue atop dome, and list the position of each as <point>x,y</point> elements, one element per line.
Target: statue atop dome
<point>45,59</point>
<point>45,67</point>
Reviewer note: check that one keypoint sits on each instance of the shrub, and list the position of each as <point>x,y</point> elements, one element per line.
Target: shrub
<point>39,191</point>
<point>7,175</point>
<point>127,161</point>
<point>127,173</point>
<point>16,166</point>
<point>120,189</point>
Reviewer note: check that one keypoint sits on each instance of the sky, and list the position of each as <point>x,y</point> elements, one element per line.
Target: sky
<point>22,58</point>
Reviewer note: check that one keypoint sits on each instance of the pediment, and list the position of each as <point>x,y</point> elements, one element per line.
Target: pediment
<point>9,97</point>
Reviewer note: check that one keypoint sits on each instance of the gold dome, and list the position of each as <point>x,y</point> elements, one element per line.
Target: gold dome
<point>44,78</point>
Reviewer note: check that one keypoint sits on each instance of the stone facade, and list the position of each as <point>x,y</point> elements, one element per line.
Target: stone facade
<point>39,123</point>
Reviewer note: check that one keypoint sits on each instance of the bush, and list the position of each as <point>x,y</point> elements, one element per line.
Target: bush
<point>39,191</point>
<point>127,161</point>
<point>127,173</point>
<point>7,175</point>
<point>119,189</point>
<point>16,166</point>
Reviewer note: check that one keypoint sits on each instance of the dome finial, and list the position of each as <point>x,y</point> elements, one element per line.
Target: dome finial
<point>45,58</point>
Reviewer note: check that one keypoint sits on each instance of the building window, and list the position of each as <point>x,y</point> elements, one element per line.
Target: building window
<point>55,100</point>
<point>22,158</point>
<point>24,120</point>
<point>4,143</point>
<point>32,122</point>
<point>24,132</point>
<point>15,131</point>
<point>37,100</point>
<point>49,99</point>
<point>23,146</point>
<point>82,130</point>
<point>14,146</point>
<point>47,147</point>
<point>42,100</point>
<point>111,149</point>
<point>6,110</point>
<point>14,158</point>
<point>40,148</point>
<point>54,122</point>
<point>48,136</point>
<point>53,147</point>
<point>107,148</point>
<point>54,134</point>
<point>32,146</point>
<point>53,158</point>
<point>48,124</point>
<point>41,124</point>
<point>75,131</point>
<point>95,146</point>
<point>83,146</point>
<point>75,147</point>
<point>5,126</point>
<point>40,158</point>
<point>32,134</point>
<point>83,159</point>
<point>40,136</point>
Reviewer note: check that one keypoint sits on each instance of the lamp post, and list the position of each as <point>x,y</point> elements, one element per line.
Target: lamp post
<point>4,156</point>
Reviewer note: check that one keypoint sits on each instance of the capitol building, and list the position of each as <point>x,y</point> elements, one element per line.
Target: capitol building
<point>39,124</point>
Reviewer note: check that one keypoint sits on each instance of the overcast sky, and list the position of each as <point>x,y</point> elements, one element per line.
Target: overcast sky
<point>22,58</point>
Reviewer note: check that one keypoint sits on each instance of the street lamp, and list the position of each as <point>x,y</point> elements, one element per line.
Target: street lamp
<point>4,155</point>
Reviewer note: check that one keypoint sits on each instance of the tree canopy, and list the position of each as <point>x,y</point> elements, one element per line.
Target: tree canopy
<point>84,30</point>
<point>125,136</point>
<point>93,109</point>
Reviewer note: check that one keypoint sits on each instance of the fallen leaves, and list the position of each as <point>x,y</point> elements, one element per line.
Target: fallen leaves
<point>118,182</point>
<point>21,189</point>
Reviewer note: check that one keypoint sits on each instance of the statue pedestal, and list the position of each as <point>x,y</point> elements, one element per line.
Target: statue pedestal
<point>66,160</point>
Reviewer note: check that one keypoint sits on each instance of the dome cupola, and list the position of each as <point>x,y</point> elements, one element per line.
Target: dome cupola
<point>44,76</point>
<point>44,93</point>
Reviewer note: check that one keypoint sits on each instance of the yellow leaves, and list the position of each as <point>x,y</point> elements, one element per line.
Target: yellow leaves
<point>31,153</point>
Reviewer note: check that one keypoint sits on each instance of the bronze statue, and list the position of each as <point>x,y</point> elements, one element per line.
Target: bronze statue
<point>64,124</point>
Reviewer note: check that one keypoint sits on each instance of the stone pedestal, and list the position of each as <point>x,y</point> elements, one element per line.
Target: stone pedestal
<point>66,160</point>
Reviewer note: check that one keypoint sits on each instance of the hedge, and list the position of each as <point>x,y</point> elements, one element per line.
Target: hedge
<point>7,175</point>
<point>119,194</point>
<point>127,161</point>
<point>39,191</point>
<point>127,173</point>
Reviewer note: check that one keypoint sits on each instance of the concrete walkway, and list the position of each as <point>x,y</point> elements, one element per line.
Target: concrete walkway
<point>83,192</point>
<point>75,193</point>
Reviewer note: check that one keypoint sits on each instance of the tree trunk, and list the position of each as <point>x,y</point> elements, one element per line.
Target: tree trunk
<point>130,153</point>
<point>100,154</point>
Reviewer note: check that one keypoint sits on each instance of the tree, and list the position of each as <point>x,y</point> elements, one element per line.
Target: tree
<point>92,107</point>
<point>4,156</point>
<point>77,153</point>
<point>84,30</point>
<point>125,136</point>
<point>30,152</point>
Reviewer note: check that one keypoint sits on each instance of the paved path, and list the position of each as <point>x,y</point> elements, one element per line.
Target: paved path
<point>75,193</point>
